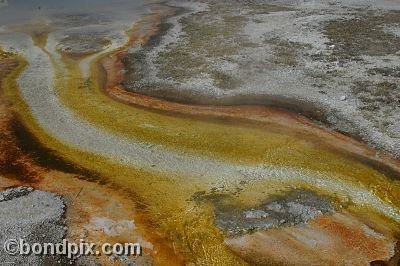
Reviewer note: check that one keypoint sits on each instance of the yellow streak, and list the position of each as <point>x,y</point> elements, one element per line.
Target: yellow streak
<point>234,142</point>
<point>170,213</point>
<point>188,226</point>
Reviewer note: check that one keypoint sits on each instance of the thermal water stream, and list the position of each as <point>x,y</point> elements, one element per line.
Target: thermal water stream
<point>165,159</point>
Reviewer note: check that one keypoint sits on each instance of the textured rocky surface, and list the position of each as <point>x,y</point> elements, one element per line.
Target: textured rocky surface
<point>292,209</point>
<point>45,224</point>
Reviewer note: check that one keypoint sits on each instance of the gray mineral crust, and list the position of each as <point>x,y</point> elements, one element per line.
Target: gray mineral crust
<point>295,208</point>
<point>34,216</point>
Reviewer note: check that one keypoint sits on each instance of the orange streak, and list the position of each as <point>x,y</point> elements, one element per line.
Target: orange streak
<point>267,116</point>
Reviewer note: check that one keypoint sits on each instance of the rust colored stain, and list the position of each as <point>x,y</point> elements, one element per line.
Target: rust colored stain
<point>13,162</point>
<point>21,155</point>
<point>86,201</point>
<point>149,25</point>
<point>353,234</point>
<point>338,239</point>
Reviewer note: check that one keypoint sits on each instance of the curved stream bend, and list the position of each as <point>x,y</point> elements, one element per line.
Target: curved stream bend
<point>38,92</point>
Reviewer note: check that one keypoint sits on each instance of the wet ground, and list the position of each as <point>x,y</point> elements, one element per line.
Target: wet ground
<point>242,184</point>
